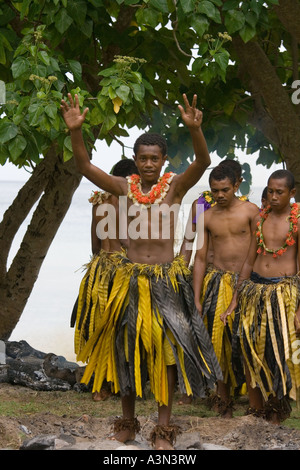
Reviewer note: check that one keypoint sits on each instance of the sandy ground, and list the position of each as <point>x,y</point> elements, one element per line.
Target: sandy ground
<point>238,433</point>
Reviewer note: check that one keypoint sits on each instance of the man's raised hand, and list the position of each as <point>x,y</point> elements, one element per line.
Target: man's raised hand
<point>71,113</point>
<point>191,116</point>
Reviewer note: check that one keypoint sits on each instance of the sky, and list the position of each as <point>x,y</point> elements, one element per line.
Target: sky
<point>105,157</point>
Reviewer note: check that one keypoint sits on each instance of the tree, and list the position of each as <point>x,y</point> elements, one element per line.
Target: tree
<point>130,61</point>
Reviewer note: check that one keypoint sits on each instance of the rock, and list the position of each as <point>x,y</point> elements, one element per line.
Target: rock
<point>41,442</point>
<point>209,446</point>
<point>189,441</point>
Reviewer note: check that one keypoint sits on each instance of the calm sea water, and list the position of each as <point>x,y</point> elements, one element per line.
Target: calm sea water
<point>45,322</point>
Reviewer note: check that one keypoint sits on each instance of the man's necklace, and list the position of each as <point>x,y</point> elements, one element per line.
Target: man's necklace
<point>293,220</point>
<point>156,194</point>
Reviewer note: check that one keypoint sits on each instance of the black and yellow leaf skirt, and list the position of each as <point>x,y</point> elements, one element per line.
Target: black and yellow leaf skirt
<point>150,322</point>
<point>265,334</point>
<point>93,295</point>
<point>217,292</point>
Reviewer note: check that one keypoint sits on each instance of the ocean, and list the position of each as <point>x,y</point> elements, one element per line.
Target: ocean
<point>45,321</point>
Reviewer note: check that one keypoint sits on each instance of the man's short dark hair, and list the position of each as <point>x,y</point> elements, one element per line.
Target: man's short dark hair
<point>124,167</point>
<point>235,165</point>
<point>264,194</point>
<point>151,139</point>
<point>221,172</point>
<point>284,174</point>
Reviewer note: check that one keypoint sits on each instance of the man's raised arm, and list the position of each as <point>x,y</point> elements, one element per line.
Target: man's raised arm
<point>192,117</point>
<point>74,120</point>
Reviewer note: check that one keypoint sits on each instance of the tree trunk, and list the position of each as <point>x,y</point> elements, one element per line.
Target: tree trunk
<point>276,116</point>
<point>59,181</point>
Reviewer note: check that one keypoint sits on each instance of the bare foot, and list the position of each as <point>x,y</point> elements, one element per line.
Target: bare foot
<point>163,444</point>
<point>102,395</point>
<point>227,414</point>
<point>185,400</point>
<point>123,436</point>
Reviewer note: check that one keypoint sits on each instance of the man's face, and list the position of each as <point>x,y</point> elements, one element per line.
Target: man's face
<point>279,195</point>
<point>149,161</point>
<point>222,191</point>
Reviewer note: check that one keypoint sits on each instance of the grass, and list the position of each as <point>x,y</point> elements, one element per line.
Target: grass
<point>19,401</point>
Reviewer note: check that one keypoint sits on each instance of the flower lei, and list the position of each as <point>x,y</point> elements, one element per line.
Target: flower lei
<point>207,195</point>
<point>208,198</point>
<point>98,197</point>
<point>156,194</point>
<point>293,219</point>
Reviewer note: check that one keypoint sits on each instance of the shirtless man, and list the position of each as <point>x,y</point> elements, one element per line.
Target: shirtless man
<point>146,326</point>
<point>201,204</point>
<point>227,225</point>
<point>267,294</point>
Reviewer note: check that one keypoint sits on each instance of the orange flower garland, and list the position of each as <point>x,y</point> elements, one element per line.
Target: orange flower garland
<point>156,194</point>
<point>293,219</point>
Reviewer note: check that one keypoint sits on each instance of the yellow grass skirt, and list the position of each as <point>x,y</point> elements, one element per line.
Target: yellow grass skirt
<point>217,292</point>
<point>266,334</point>
<point>150,322</point>
<point>92,298</point>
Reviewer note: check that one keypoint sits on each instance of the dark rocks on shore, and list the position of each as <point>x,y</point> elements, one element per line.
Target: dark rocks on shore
<point>38,370</point>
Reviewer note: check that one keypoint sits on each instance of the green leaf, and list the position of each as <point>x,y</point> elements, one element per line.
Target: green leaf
<point>187,5</point>
<point>35,112</point>
<point>209,9</point>
<point>77,10</point>
<point>200,24</point>
<point>266,157</point>
<point>138,91</point>
<point>96,116</point>
<point>76,68</point>
<point>68,143</point>
<point>43,56</point>
<point>8,131</point>
<point>234,21</point>
<point>230,5</point>
<point>160,5</point>
<point>20,66</point>
<point>197,65</point>
<point>17,146</point>
<point>62,21</point>
<point>222,59</point>
<point>247,33</point>
<point>2,55</point>
<point>108,123</point>
<point>123,92</point>
<point>51,110</point>
<point>147,16</point>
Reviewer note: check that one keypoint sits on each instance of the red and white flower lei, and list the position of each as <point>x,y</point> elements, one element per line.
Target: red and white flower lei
<point>156,194</point>
<point>293,220</point>
<point>98,197</point>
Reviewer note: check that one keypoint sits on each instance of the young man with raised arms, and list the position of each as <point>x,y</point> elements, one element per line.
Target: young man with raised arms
<point>150,328</point>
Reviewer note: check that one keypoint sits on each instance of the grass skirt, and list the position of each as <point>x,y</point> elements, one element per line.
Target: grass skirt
<point>265,333</point>
<point>217,292</point>
<point>150,322</point>
<point>93,294</point>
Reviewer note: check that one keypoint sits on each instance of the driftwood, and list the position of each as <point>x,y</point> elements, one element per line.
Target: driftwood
<point>38,370</point>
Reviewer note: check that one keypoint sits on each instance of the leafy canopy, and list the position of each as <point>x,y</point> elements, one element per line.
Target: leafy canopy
<point>129,62</point>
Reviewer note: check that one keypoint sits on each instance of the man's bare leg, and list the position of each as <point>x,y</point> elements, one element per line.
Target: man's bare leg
<point>256,401</point>
<point>224,394</point>
<point>128,432</point>
<point>164,411</point>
